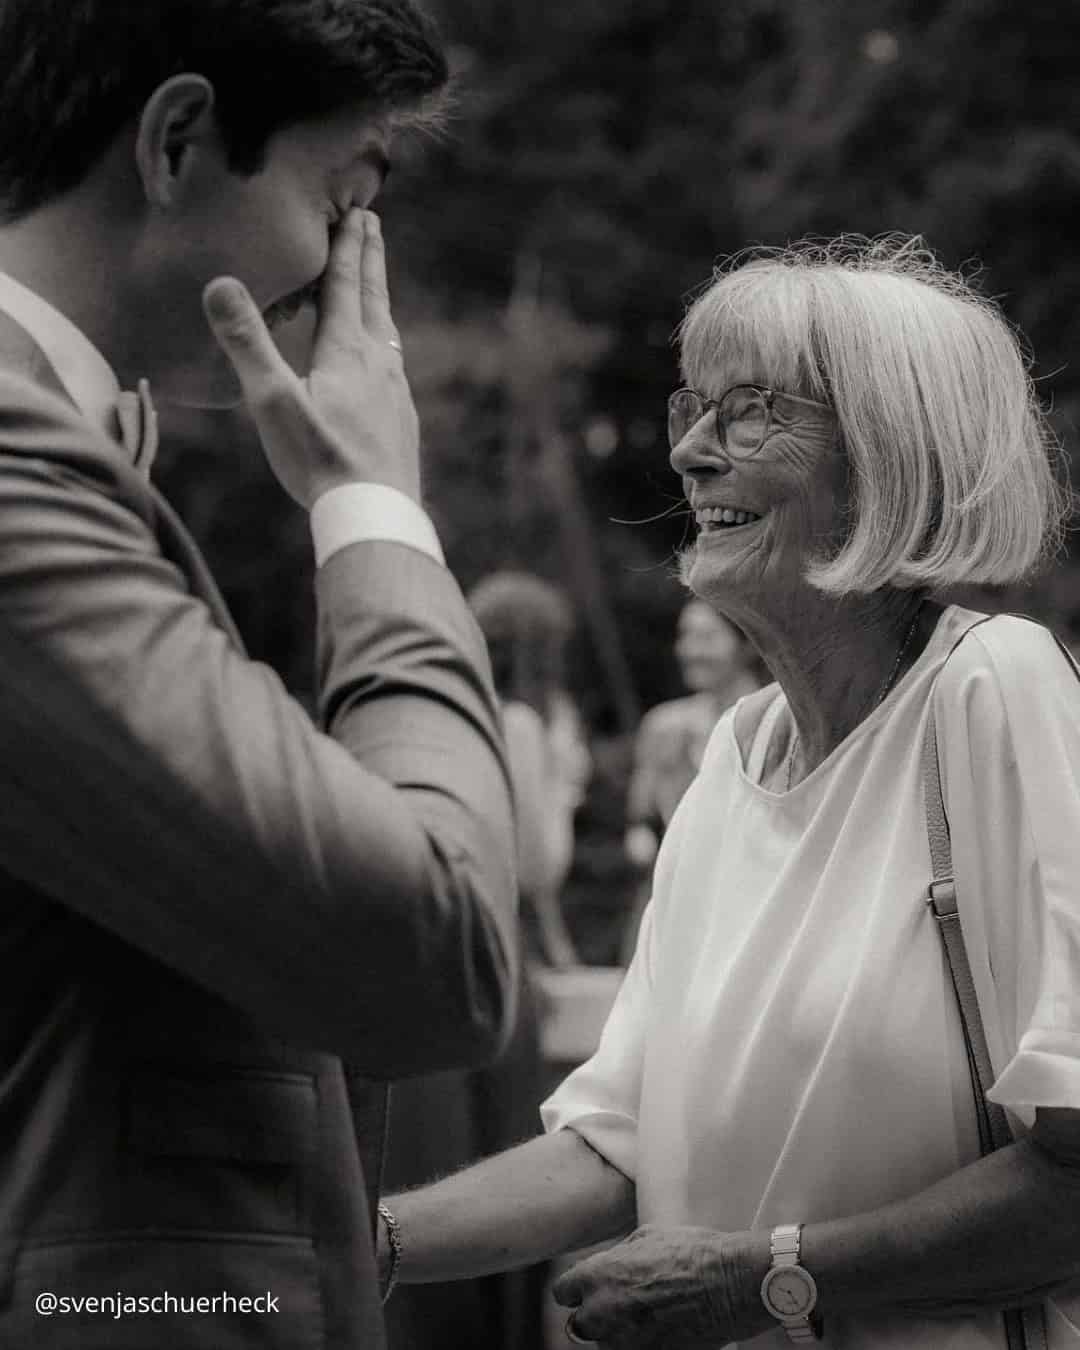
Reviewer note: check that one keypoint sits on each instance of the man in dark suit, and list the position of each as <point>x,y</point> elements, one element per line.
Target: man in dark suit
<point>221,928</point>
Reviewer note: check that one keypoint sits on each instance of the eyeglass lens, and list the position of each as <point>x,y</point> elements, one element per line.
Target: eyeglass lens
<point>741,418</point>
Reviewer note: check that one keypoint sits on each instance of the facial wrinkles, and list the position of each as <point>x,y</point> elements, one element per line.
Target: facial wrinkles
<point>789,483</point>
<point>799,440</point>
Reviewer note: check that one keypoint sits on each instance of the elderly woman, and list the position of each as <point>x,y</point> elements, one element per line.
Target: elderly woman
<point>781,1096</point>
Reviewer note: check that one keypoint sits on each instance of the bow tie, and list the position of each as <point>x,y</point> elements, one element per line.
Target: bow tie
<point>138,426</point>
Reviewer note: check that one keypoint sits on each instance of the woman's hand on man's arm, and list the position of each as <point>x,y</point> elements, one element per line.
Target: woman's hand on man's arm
<point>668,1289</point>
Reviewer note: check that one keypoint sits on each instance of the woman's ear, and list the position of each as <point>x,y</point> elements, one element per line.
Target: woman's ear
<point>177,128</point>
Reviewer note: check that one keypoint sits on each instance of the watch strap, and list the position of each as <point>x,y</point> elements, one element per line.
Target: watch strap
<point>785,1242</point>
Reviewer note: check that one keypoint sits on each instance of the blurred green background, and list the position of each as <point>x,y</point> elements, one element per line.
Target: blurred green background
<point>601,157</point>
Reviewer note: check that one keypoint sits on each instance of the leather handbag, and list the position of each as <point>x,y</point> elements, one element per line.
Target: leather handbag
<point>1025,1328</point>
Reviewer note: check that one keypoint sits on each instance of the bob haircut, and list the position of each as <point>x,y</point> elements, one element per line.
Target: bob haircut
<point>955,476</point>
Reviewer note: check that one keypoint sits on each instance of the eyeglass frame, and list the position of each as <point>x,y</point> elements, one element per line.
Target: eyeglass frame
<point>768,394</point>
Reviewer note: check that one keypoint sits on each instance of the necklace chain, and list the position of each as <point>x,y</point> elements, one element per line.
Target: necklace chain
<point>886,685</point>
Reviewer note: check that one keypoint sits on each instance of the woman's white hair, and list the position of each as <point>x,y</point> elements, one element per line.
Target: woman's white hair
<point>953,467</point>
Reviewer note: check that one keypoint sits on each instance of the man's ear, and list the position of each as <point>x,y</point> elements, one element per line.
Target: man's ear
<point>177,124</point>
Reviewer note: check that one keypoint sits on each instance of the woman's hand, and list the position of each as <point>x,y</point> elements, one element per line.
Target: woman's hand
<point>670,1289</point>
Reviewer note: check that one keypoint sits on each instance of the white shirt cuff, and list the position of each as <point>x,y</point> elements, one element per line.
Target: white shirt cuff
<point>358,512</point>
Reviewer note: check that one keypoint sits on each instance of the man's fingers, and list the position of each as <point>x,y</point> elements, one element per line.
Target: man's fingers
<point>241,333</point>
<point>354,301</point>
<point>374,291</point>
<point>341,317</point>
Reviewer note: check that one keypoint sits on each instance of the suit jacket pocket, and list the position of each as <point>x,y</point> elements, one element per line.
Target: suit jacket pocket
<point>210,1151</point>
<point>124,1292</point>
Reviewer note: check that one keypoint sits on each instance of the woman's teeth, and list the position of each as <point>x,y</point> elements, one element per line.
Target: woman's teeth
<point>718,517</point>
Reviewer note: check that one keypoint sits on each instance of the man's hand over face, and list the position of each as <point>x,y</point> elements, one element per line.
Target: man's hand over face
<point>352,419</point>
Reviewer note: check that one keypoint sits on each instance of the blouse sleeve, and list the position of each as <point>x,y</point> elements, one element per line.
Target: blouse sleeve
<point>601,1098</point>
<point>1008,713</point>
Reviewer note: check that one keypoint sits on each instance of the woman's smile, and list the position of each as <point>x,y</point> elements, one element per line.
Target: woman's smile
<point>717,519</point>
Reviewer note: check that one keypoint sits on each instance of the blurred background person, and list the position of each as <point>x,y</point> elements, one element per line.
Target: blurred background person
<point>527,624</point>
<point>440,1122</point>
<point>717,665</point>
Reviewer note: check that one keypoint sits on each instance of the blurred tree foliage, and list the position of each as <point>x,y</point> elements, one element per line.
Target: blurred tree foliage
<point>602,156</point>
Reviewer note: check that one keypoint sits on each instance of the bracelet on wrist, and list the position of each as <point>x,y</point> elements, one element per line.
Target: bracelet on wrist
<point>393,1238</point>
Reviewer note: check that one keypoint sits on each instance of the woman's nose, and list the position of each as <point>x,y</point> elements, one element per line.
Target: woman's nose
<point>697,455</point>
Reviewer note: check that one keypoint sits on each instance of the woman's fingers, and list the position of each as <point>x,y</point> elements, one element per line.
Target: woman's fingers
<point>569,1288</point>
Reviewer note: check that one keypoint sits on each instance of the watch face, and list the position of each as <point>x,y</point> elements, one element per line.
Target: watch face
<point>789,1291</point>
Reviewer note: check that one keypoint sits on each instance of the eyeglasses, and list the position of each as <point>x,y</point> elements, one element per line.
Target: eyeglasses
<point>743,416</point>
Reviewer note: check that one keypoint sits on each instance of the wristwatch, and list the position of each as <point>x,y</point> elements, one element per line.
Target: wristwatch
<point>788,1289</point>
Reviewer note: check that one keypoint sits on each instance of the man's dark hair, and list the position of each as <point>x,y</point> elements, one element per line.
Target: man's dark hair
<point>74,73</point>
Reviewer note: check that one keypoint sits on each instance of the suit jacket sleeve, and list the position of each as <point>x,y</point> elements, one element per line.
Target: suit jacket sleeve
<point>352,889</point>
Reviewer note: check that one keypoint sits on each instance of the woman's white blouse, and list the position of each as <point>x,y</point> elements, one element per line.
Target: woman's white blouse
<point>786,1045</point>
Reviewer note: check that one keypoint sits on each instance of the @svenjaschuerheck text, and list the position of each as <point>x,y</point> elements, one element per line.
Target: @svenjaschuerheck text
<point>119,1304</point>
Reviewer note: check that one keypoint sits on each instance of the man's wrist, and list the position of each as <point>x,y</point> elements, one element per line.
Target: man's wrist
<point>360,512</point>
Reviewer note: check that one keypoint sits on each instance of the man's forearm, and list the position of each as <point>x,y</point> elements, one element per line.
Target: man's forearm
<point>547,1196</point>
<point>407,691</point>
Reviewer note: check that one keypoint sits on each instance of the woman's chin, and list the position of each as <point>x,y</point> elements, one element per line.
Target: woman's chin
<point>709,565</point>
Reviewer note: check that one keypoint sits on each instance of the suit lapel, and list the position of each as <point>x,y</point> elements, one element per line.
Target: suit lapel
<point>21,354</point>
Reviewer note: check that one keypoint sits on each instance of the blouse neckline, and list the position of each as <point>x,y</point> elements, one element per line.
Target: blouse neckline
<point>769,712</point>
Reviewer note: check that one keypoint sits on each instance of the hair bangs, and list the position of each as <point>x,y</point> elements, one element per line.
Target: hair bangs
<point>752,325</point>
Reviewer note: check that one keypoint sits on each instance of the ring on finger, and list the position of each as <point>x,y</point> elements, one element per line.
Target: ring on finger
<point>393,342</point>
<point>572,1333</point>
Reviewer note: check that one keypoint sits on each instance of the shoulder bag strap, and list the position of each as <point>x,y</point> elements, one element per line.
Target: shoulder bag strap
<point>1025,1329</point>
<point>994,1131</point>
